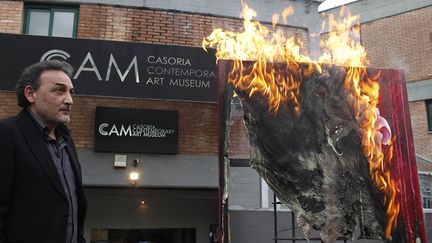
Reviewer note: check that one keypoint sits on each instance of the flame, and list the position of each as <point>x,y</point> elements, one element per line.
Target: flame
<point>343,48</point>
<point>263,45</point>
<point>267,45</point>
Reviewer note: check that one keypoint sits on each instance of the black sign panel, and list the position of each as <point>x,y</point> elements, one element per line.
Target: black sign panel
<point>112,68</point>
<point>135,131</point>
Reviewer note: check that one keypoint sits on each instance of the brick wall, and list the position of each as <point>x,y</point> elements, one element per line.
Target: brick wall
<point>11,13</point>
<point>422,138</point>
<point>155,26</point>
<point>239,140</point>
<point>404,42</point>
<point>8,105</point>
<point>143,25</point>
<point>197,122</point>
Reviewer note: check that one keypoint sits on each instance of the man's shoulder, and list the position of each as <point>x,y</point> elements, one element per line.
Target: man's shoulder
<point>8,121</point>
<point>8,126</point>
<point>11,121</point>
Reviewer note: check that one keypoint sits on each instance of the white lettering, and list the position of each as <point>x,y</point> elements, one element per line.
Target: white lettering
<point>101,129</point>
<point>189,83</point>
<point>169,61</point>
<point>134,63</point>
<point>135,130</point>
<point>113,130</point>
<point>125,132</point>
<point>197,73</point>
<point>83,68</point>
<point>151,59</point>
<point>155,81</point>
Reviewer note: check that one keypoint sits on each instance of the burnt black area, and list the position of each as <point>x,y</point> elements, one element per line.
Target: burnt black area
<point>312,158</point>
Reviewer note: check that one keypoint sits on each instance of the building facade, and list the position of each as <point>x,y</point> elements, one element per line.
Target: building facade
<point>176,195</point>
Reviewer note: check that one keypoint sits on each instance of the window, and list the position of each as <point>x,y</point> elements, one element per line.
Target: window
<point>429,114</point>
<point>50,21</point>
<point>426,189</point>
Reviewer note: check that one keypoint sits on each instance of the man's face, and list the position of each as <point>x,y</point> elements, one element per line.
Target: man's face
<point>52,102</point>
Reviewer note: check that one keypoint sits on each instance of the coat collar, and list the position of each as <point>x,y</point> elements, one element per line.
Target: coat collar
<point>61,130</point>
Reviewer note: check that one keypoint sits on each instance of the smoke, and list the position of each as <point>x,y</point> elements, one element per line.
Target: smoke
<point>399,63</point>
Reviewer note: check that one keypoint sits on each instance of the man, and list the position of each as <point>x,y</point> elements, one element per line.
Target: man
<point>41,194</point>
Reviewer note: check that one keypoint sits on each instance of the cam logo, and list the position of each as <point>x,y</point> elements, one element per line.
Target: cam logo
<point>55,54</point>
<point>88,60</point>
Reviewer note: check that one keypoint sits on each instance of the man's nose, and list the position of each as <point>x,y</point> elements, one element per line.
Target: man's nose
<point>68,99</point>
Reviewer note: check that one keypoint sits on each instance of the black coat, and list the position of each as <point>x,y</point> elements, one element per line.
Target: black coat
<point>33,204</point>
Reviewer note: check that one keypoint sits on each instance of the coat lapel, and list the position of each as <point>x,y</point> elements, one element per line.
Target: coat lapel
<point>37,145</point>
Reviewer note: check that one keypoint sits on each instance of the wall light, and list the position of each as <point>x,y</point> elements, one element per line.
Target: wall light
<point>134,175</point>
<point>142,205</point>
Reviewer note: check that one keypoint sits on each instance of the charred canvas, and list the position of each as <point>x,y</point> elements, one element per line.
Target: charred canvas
<point>310,155</point>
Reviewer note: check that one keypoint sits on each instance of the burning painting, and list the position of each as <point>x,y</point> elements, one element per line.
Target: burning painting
<point>331,137</point>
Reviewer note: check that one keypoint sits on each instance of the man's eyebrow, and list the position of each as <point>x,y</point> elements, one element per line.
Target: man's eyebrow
<point>62,85</point>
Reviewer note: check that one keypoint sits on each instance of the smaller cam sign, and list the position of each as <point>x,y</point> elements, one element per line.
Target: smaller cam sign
<point>136,131</point>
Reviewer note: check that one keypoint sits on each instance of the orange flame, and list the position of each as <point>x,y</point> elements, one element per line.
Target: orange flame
<point>258,42</point>
<point>267,46</point>
<point>343,49</point>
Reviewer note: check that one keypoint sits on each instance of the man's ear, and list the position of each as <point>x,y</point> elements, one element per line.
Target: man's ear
<point>29,94</point>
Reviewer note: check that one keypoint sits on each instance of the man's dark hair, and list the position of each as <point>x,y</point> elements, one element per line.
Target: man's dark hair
<point>31,74</point>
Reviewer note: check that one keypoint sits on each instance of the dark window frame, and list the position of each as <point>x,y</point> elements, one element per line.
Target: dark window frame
<point>51,9</point>
<point>426,189</point>
<point>429,114</point>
